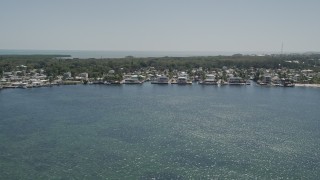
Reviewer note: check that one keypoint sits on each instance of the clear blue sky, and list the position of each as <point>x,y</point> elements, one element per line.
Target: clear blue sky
<point>162,25</point>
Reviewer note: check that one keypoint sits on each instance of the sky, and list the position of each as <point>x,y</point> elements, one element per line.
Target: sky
<point>162,25</point>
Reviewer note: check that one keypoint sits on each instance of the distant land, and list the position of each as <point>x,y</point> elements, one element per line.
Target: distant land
<point>83,54</point>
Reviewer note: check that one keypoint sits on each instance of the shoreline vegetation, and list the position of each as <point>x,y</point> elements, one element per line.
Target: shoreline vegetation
<point>288,70</point>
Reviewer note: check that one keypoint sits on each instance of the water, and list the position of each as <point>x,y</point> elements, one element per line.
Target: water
<point>163,132</point>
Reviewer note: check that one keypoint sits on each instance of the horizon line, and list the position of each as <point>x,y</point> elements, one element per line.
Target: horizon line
<point>196,51</point>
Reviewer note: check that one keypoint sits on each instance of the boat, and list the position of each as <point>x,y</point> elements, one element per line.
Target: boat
<point>210,80</point>
<point>161,80</point>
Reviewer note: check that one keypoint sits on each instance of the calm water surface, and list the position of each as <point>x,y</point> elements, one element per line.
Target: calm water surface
<point>162,132</point>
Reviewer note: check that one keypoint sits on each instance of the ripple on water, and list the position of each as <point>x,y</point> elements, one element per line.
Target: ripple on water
<point>167,132</point>
<point>129,134</point>
<point>160,175</point>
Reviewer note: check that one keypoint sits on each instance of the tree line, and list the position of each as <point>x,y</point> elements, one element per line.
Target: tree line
<point>55,65</point>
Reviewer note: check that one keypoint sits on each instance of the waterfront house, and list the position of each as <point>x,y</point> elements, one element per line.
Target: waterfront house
<point>67,75</point>
<point>7,74</point>
<point>209,80</point>
<point>267,79</point>
<point>236,81</point>
<point>183,78</point>
<point>276,81</point>
<point>161,80</point>
<point>82,76</point>
<point>133,79</point>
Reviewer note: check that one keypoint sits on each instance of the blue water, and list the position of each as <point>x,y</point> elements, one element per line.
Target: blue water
<point>163,132</point>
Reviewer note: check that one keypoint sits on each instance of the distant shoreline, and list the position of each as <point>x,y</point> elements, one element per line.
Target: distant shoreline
<point>308,85</point>
<point>84,54</point>
<point>68,83</point>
